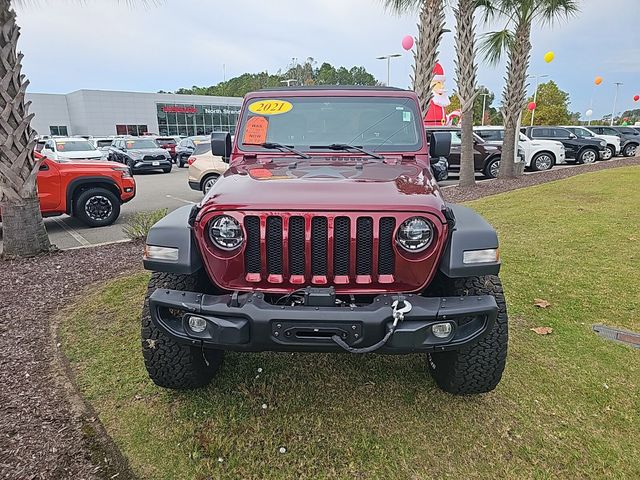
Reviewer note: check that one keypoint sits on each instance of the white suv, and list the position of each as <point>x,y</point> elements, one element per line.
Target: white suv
<point>72,148</point>
<point>613,142</point>
<point>538,154</point>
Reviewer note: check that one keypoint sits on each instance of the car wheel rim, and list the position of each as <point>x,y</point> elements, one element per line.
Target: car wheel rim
<point>543,162</point>
<point>631,150</point>
<point>589,157</point>
<point>494,169</point>
<point>209,183</point>
<point>607,154</point>
<point>98,208</point>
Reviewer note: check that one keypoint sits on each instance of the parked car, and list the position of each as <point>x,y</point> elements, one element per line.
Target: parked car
<point>613,147</point>
<point>40,145</point>
<point>91,191</point>
<point>486,154</point>
<point>205,168</point>
<point>538,154</point>
<point>322,245</point>
<point>169,144</point>
<point>140,154</point>
<point>580,150</point>
<point>71,148</point>
<point>102,143</point>
<point>186,147</point>
<point>629,137</point>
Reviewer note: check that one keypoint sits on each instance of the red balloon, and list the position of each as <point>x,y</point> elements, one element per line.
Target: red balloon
<point>531,106</point>
<point>636,98</point>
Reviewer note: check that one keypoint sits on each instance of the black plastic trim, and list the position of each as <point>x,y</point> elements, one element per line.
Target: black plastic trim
<point>78,182</point>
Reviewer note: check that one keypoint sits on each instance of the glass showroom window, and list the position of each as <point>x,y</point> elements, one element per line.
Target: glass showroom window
<point>58,130</point>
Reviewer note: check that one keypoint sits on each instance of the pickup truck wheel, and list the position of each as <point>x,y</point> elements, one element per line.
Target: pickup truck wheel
<point>477,368</point>
<point>630,150</point>
<point>542,161</point>
<point>492,168</point>
<point>587,156</point>
<point>97,207</point>
<point>168,363</point>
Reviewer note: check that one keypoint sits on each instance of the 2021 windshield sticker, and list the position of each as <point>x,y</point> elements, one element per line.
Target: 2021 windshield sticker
<point>270,107</point>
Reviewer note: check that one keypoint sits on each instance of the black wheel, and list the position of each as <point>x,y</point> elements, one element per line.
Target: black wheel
<point>97,207</point>
<point>181,162</point>
<point>492,168</point>
<point>208,182</point>
<point>166,170</point>
<point>477,368</point>
<point>587,156</point>
<point>542,161</point>
<point>608,153</point>
<point>168,363</point>
<point>630,150</point>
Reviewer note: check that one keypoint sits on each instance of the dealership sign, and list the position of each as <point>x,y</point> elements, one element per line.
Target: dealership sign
<point>178,109</point>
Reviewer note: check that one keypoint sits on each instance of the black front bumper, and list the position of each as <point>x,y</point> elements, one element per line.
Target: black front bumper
<point>247,322</point>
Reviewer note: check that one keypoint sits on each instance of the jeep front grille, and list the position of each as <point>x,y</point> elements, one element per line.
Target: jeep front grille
<point>319,249</point>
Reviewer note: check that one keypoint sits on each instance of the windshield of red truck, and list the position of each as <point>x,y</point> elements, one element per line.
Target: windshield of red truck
<point>383,124</point>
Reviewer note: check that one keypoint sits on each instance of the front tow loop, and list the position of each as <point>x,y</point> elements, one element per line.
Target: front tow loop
<point>399,307</point>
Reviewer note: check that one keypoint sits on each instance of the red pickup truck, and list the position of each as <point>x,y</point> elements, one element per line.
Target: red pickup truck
<point>88,190</point>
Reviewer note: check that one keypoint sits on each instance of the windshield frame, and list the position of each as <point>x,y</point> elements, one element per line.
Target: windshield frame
<point>402,100</point>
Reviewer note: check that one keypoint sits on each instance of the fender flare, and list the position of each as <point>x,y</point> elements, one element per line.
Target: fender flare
<point>470,232</point>
<point>78,182</point>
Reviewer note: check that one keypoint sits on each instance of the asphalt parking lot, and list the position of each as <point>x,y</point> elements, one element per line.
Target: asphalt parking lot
<point>154,191</point>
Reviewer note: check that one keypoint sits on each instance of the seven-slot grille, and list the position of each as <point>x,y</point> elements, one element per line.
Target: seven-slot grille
<point>353,255</point>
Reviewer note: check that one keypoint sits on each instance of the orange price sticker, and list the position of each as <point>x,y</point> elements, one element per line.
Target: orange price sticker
<point>255,131</point>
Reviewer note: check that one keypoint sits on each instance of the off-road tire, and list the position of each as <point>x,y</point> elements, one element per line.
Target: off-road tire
<point>96,194</point>
<point>168,363</point>
<point>476,368</point>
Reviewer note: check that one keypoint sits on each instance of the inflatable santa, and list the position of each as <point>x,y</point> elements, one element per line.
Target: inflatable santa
<point>436,114</point>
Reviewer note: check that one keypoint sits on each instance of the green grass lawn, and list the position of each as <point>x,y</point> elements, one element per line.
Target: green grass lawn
<point>568,405</point>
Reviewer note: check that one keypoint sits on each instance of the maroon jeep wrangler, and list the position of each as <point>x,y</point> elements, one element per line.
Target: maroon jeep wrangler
<point>326,234</point>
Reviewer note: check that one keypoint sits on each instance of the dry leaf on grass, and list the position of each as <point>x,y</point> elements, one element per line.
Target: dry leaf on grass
<point>539,302</point>
<point>542,330</point>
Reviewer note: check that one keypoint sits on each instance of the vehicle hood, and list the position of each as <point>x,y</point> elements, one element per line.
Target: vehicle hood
<point>610,138</point>
<point>89,164</point>
<point>141,152</point>
<point>81,154</point>
<point>336,184</point>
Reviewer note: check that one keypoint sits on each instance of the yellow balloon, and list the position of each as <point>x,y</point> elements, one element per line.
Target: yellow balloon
<point>549,56</point>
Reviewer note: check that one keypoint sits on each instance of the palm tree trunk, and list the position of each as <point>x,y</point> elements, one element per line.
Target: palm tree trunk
<point>23,231</point>
<point>430,30</point>
<point>466,70</point>
<point>514,96</point>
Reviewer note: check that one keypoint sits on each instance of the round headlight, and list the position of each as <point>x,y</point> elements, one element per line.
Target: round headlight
<point>415,234</point>
<point>225,232</point>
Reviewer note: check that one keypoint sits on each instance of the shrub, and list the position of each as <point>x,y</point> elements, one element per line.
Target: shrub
<point>138,226</point>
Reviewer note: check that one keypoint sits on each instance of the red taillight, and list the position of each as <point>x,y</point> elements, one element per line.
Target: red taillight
<point>191,160</point>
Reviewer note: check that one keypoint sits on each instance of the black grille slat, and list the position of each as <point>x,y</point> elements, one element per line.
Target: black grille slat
<point>296,245</point>
<point>252,259</point>
<point>319,246</point>
<point>341,244</point>
<point>386,256</point>
<point>274,245</point>
<point>364,246</point>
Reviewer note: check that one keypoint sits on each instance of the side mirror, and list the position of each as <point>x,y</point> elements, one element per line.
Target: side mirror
<point>221,145</point>
<point>572,136</point>
<point>439,146</point>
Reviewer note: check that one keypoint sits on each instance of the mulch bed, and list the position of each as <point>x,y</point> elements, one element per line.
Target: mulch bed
<point>41,433</point>
<point>457,194</point>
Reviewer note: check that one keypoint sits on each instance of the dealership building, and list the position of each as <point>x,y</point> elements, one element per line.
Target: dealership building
<point>103,112</point>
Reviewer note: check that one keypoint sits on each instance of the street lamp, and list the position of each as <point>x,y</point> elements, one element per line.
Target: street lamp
<point>535,94</point>
<point>388,59</point>
<point>615,100</point>
<point>484,104</point>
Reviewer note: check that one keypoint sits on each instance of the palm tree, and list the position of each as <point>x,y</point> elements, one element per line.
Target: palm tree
<point>515,39</point>
<point>430,31</point>
<point>23,231</point>
<point>466,70</point>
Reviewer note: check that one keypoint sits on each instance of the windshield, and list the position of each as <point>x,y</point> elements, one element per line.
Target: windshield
<point>582,132</point>
<point>103,143</point>
<point>165,141</point>
<point>203,147</point>
<point>74,146</point>
<point>141,144</point>
<point>375,123</point>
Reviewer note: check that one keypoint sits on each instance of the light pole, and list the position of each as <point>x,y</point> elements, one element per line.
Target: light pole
<point>615,100</point>
<point>388,59</point>
<point>484,104</point>
<point>535,94</point>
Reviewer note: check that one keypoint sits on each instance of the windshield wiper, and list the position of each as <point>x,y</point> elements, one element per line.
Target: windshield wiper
<point>346,146</point>
<point>283,148</point>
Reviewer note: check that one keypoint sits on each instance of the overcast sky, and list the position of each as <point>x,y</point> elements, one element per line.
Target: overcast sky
<point>167,44</point>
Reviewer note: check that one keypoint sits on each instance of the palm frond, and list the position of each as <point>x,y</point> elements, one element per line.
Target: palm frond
<point>552,11</point>
<point>494,44</point>
<point>402,6</point>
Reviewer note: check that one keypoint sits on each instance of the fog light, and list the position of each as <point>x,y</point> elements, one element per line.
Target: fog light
<point>441,330</point>
<point>197,324</point>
